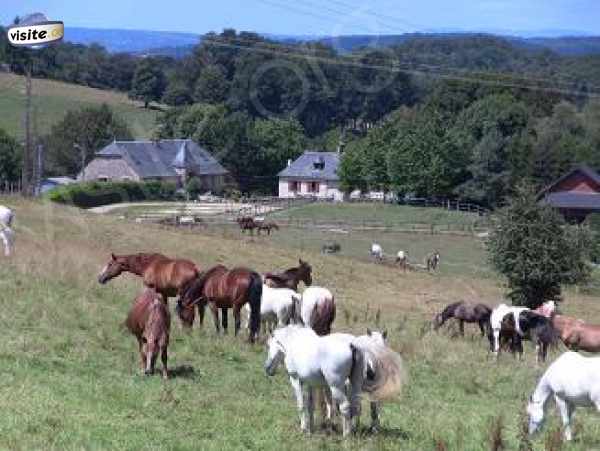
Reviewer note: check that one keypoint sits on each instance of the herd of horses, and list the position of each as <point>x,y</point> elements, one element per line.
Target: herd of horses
<point>572,380</point>
<point>334,367</point>
<point>259,224</point>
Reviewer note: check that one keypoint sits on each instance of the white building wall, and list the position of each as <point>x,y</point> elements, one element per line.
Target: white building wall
<point>327,189</point>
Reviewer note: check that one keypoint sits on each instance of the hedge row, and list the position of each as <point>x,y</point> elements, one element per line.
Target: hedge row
<point>94,194</point>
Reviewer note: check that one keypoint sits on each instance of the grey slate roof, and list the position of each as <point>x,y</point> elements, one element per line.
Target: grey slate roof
<point>304,166</point>
<point>159,158</point>
<point>582,201</point>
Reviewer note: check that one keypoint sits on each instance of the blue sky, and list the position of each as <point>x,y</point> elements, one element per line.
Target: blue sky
<point>330,17</point>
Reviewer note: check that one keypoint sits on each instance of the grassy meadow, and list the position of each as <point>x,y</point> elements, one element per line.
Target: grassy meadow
<point>52,99</point>
<point>70,376</point>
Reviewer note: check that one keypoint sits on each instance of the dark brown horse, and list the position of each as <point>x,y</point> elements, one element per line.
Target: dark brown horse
<point>576,334</point>
<point>464,313</point>
<point>267,226</point>
<point>169,277</point>
<point>149,320</point>
<point>223,288</point>
<point>291,277</point>
<point>247,223</point>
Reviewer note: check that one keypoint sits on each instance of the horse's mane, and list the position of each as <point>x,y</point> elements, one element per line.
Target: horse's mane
<point>323,316</point>
<point>194,289</point>
<point>386,373</point>
<point>158,320</point>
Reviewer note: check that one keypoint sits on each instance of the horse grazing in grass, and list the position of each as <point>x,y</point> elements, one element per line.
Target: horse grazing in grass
<point>292,277</point>
<point>314,362</point>
<point>6,231</point>
<point>432,261</point>
<point>464,313</point>
<point>384,373</point>
<point>573,381</point>
<point>277,307</point>
<point>223,288</point>
<point>168,277</point>
<point>376,252</point>
<point>267,226</point>
<point>149,320</point>
<point>331,247</point>
<point>576,334</point>
<point>317,310</point>
<point>247,223</point>
<point>518,324</point>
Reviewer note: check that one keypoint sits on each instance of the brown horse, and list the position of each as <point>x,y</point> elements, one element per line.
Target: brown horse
<point>247,223</point>
<point>224,288</point>
<point>291,277</point>
<point>267,226</point>
<point>464,313</point>
<point>576,334</point>
<point>169,277</point>
<point>149,320</point>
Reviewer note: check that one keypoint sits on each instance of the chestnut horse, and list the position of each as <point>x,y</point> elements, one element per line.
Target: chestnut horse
<point>576,334</point>
<point>168,277</point>
<point>291,278</point>
<point>224,288</point>
<point>149,320</point>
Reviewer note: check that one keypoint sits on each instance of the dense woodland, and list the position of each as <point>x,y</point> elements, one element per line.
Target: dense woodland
<point>450,116</point>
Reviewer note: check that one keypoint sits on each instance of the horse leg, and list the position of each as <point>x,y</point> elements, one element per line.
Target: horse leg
<point>142,355</point>
<point>224,319</point>
<point>201,306</point>
<point>565,414</point>
<point>297,386</point>
<point>461,327</point>
<point>496,345</point>
<point>215,312</point>
<point>236,318</point>
<point>339,395</point>
<point>374,416</point>
<point>329,408</point>
<point>310,404</point>
<point>482,327</point>
<point>164,358</point>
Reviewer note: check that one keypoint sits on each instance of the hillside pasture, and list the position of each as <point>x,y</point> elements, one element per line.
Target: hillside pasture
<point>51,99</point>
<point>70,376</point>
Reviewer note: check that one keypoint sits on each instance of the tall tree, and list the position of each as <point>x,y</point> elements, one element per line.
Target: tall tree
<point>10,158</point>
<point>212,85</point>
<point>148,82</point>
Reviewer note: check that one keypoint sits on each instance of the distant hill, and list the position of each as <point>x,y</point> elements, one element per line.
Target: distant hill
<point>52,99</point>
<point>144,42</point>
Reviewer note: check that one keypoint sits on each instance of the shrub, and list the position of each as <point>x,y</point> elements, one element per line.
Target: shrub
<point>94,194</point>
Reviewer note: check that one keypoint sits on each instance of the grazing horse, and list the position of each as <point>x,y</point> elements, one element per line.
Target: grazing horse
<point>376,252</point>
<point>464,313</point>
<point>317,310</point>
<point>496,318</point>
<point>573,381</point>
<point>292,277</point>
<point>169,277</point>
<point>402,260</point>
<point>247,223</point>
<point>318,362</point>
<point>433,261</point>
<point>149,320</point>
<point>223,288</point>
<point>576,334</point>
<point>6,232</point>
<point>276,307</point>
<point>384,373</point>
<point>331,247</point>
<point>526,324</point>
<point>267,226</point>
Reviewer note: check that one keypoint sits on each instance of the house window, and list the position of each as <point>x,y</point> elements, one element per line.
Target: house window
<point>103,178</point>
<point>293,187</point>
<point>313,187</point>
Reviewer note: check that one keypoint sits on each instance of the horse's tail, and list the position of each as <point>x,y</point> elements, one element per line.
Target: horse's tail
<point>323,316</point>
<point>254,298</point>
<point>295,316</point>
<point>385,371</point>
<point>446,314</point>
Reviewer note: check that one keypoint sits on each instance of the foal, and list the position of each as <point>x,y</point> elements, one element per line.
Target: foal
<point>149,320</point>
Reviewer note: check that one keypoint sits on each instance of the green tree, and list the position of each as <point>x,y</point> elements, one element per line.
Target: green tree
<point>10,158</point>
<point>148,82</point>
<point>89,129</point>
<point>194,187</point>
<point>212,85</point>
<point>536,251</point>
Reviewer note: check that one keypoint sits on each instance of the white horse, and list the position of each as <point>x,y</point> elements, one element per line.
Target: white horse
<point>496,318</point>
<point>317,309</point>
<point>573,380</point>
<point>318,362</point>
<point>6,232</point>
<point>384,372</point>
<point>277,307</point>
<point>377,251</point>
<point>402,259</point>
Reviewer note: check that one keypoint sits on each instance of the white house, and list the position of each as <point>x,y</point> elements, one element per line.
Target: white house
<point>313,174</point>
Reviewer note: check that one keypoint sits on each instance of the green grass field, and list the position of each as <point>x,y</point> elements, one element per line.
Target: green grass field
<point>52,99</point>
<point>70,377</point>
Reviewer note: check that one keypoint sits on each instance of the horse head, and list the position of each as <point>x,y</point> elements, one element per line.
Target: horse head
<point>113,268</point>
<point>305,272</point>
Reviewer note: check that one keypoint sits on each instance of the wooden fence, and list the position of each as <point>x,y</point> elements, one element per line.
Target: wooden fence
<point>10,188</point>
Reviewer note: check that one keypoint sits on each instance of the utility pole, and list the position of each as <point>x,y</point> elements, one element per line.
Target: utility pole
<point>27,160</point>
<point>82,150</point>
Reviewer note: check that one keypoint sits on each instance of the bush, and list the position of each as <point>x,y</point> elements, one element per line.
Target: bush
<point>95,194</point>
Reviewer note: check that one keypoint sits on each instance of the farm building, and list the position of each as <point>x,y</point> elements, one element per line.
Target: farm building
<point>575,195</point>
<point>166,160</point>
<point>313,174</point>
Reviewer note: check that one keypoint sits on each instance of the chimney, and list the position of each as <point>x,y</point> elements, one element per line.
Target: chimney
<point>289,162</point>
